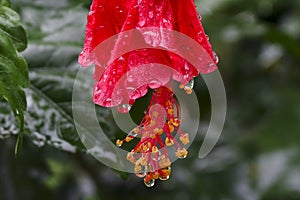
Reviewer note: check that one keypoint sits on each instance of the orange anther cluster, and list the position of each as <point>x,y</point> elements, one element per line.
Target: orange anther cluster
<point>157,130</point>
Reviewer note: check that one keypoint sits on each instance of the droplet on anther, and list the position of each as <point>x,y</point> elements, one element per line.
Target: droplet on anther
<point>189,87</point>
<point>149,182</point>
<point>119,143</point>
<point>181,153</point>
<point>184,139</point>
<point>140,171</point>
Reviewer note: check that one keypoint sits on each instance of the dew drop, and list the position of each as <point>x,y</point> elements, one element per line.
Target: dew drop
<point>101,8</point>
<point>207,37</point>
<point>130,78</point>
<point>149,183</point>
<point>124,108</point>
<point>142,21</point>
<point>151,14</point>
<point>132,134</point>
<point>163,178</point>
<point>141,174</point>
<point>154,84</point>
<point>190,85</point>
<point>186,67</point>
<point>140,170</point>
<point>216,57</point>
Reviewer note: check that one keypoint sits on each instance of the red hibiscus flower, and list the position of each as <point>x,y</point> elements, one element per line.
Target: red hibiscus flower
<point>124,78</point>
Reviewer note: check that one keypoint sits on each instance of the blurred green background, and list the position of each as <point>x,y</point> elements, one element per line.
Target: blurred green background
<point>257,157</point>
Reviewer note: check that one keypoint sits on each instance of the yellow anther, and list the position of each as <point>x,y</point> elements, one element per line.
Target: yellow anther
<point>171,128</point>
<point>130,157</point>
<point>143,161</point>
<point>155,176</point>
<point>137,168</point>
<point>154,114</point>
<point>154,149</point>
<point>168,104</point>
<point>158,131</point>
<point>128,139</point>
<point>181,153</point>
<point>184,139</point>
<point>170,111</point>
<point>119,143</point>
<point>136,130</point>
<point>169,141</point>
<point>176,122</point>
<point>164,162</point>
<point>145,148</point>
<point>153,123</point>
<point>188,90</point>
<point>181,86</point>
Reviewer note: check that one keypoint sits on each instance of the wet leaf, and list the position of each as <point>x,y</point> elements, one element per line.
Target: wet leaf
<point>55,40</point>
<point>13,67</point>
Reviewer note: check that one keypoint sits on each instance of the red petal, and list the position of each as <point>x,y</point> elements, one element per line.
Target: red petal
<point>108,18</point>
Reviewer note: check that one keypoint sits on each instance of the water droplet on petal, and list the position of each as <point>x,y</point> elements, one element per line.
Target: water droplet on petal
<point>151,14</point>
<point>142,21</point>
<point>101,8</point>
<point>130,78</point>
<point>207,37</point>
<point>154,84</point>
<point>124,108</point>
<point>216,57</point>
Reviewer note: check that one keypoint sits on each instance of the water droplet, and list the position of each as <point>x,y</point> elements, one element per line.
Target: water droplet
<point>212,65</point>
<point>119,143</point>
<point>190,85</point>
<point>154,84</point>
<point>140,170</point>
<point>101,8</point>
<point>149,183</point>
<point>151,14</point>
<point>207,37</point>
<point>142,21</point>
<point>216,57</point>
<point>163,177</point>
<point>124,108</point>
<point>130,78</point>
<point>131,135</point>
<point>181,153</point>
<point>200,17</point>
<point>186,67</point>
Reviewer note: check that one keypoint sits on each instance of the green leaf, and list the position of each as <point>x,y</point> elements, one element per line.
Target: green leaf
<point>10,26</point>
<point>5,3</point>
<point>13,67</point>
<point>55,40</point>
